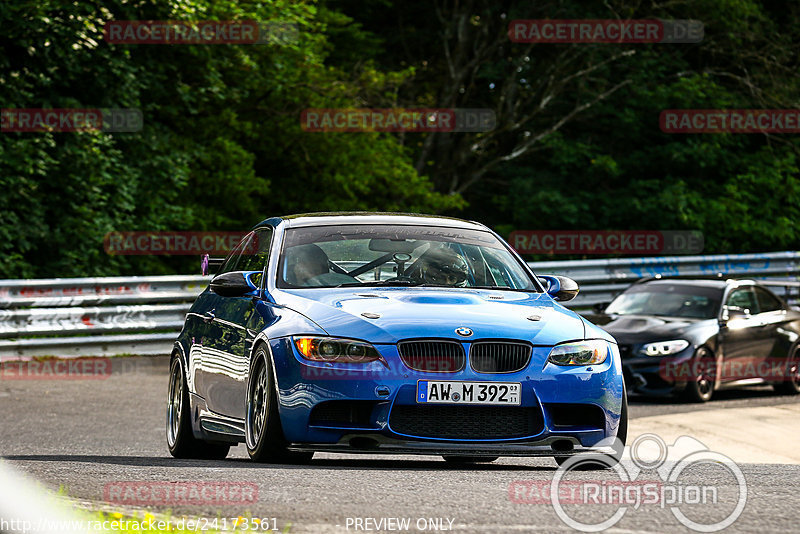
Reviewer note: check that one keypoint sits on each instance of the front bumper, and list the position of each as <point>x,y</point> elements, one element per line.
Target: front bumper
<point>659,375</point>
<point>551,446</point>
<point>550,393</point>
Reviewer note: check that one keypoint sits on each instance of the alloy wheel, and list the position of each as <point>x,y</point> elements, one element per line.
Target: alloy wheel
<point>174,403</point>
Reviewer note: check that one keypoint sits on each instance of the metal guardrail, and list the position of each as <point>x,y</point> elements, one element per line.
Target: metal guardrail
<point>99,291</point>
<point>94,316</point>
<point>142,315</point>
<point>602,280</point>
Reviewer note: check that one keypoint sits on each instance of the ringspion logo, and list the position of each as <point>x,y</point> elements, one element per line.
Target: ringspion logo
<point>648,474</point>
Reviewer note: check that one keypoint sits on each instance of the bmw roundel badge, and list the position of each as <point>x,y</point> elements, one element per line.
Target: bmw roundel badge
<point>463,331</point>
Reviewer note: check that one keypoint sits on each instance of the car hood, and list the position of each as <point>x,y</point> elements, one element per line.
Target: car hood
<point>405,313</point>
<point>632,329</point>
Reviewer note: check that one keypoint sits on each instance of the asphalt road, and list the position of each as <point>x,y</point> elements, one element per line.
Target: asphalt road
<point>95,437</point>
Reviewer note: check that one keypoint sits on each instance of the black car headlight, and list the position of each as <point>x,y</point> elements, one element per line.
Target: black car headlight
<point>339,350</point>
<point>589,352</point>
<point>664,348</point>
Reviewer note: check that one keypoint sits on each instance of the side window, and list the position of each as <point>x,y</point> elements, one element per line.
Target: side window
<point>744,299</point>
<point>255,254</point>
<point>767,302</point>
<point>235,255</point>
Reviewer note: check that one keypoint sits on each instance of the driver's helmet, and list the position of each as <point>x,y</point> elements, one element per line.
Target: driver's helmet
<point>443,266</point>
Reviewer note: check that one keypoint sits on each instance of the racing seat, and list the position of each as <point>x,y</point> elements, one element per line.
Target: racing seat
<point>309,266</point>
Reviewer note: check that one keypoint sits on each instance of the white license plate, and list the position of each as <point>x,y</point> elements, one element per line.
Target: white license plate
<point>452,392</point>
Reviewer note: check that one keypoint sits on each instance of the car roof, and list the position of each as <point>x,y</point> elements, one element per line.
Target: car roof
<point>704,282</point>
<point>366,217</point>
<point>715,282</point>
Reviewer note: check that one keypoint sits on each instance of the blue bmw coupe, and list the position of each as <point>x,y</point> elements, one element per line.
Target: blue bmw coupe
<point>389,333</point>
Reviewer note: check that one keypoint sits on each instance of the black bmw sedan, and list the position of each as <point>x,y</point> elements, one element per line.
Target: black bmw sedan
<point>691,337</point>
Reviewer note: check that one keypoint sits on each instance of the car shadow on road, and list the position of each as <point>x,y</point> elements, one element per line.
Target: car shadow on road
<point>745,393</point>
<point>379,464</point>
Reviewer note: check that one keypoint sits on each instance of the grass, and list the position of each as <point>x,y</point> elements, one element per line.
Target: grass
<point>107,518</point>
<point>142,521</point>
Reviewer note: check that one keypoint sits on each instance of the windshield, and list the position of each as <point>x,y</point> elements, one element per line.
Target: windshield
<point>385,255</point>
<point>668,300</point>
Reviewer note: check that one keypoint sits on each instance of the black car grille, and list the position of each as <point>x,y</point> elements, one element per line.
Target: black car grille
<point>499,357</point>
<point>432,355</point>
<point>466,422</point>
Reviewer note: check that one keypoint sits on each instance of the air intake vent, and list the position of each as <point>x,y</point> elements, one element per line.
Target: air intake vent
<point>466,422</point>
<point>342,413</point>
<point>499,356</point>
<point>433,356</point>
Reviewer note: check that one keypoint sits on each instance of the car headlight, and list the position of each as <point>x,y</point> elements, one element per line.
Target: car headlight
<point>329,349</point>
<point>590,352</point>
<point>664,348</point>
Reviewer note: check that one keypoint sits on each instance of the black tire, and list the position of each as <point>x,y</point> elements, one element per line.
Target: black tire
<point>700,386</point>
<point>791,380</point>
<point>180,439</point>
<point>470,459</point>
<point>263,432</point>
<point>599,461</point>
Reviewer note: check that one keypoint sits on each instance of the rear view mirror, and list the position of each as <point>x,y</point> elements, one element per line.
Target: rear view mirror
<point>600,307</point>
<point>233,284</point>
<point>560,288</point>
<point>402,246</point>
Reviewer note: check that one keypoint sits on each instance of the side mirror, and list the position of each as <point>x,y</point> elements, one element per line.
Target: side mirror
<point>600,307</point>
<point>561,288</point>
<point>734,312</point>
<point>233,284</point>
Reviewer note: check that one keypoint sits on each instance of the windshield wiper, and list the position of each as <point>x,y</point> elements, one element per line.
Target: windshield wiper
<point>408,283</point>
<point>380,283</point>
<point>504,288</point>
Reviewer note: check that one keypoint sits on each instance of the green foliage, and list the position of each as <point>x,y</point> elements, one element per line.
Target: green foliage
<point>222,145</point>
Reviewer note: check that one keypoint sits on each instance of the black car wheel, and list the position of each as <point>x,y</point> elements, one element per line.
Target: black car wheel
<point>263,431</point>
<point>791,380</point>
<point>470,459</point>
<point>700,387</point>
<point>180,440</point>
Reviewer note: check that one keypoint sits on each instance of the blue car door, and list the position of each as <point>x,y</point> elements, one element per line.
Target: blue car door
<point>232,330</point>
